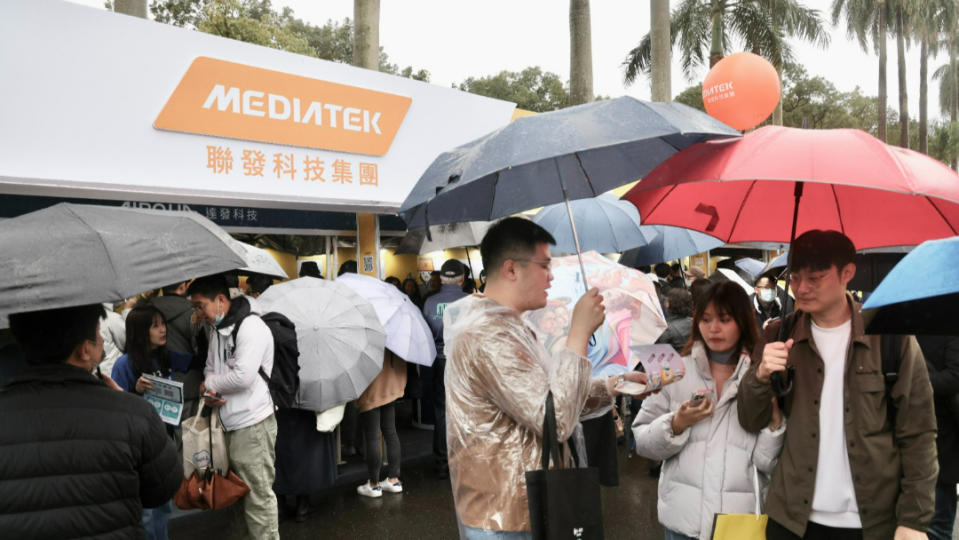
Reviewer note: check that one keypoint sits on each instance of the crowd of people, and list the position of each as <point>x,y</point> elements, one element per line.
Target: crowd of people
<point>785,402</point>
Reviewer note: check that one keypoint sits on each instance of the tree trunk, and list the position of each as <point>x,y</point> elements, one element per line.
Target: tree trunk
<point>660,50</point>
<point>903,91</point>
<point>923,96</point>
<point>137,8</point>
<point>366,34</point>
<point>954,97</point>
<point>580,53</point>
<point>881,109</point>
<point>778,113</point>
<point>716,51</point>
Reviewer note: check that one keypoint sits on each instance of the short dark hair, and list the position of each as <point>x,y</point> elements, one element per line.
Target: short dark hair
<point>259,283</point>
<point>728,298</point>
<point>170,290</point>
<point>698,287</point>
<point>209,287</point>
<point>311,269</point>
<point>645,268</point>
<point>819,250</point>
<point>680,302</point>
<point>662,270</point>
<point>50,336</point>
<point>511,238</point>
<point>349,267</point>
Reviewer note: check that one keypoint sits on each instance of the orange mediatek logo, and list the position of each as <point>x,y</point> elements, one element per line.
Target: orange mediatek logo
<point>225,99</point>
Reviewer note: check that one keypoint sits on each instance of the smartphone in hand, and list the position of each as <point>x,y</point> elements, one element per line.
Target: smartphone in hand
<point>698,396</point>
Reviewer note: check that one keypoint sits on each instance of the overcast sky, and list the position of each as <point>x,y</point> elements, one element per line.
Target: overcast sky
<point>455,39</point>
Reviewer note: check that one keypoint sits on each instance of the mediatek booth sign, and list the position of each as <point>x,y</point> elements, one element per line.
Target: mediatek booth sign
<point>96,104</point>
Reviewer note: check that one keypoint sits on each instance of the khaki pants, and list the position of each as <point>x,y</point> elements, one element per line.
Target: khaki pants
<point>252,455</point>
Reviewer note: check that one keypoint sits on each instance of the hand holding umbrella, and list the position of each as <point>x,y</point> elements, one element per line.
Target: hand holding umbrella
<point>588,314</point>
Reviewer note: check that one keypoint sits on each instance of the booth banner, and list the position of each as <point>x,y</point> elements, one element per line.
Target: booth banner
<point>139,110</point>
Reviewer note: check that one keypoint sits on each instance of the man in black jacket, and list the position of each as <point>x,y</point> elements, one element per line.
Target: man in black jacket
<point>78,458</point>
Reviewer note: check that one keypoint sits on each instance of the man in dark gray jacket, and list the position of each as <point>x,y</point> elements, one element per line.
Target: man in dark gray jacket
<point>452,274</point>
<point>78,457</point>
<point>177,310</point>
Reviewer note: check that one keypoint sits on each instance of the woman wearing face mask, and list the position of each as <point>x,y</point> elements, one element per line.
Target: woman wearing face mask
<point>147,355</point>
<point>708,458</point>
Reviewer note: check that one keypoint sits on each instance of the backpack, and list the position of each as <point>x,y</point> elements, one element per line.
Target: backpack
<point>890,354</point>
<point>284,381</point>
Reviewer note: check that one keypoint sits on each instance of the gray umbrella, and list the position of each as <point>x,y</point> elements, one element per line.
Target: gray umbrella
<point>71,254</point>
<point>605,224</point>
<point>546,158</point>
<point>340,338</point>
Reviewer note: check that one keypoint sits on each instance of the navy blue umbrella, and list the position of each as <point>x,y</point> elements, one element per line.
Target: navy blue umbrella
<point>543,159</point>
<point>547,158</point>
<point>920,294</point>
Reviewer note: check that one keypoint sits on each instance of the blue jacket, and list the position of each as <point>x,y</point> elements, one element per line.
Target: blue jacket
<point>433,311</point>
<point>123,374</point>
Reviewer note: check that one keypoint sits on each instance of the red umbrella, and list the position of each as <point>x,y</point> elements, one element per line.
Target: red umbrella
<point>748,189</point>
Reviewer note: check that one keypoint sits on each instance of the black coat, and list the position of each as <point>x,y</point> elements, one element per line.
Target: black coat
<point>78,459</point>
<point>942,359</point>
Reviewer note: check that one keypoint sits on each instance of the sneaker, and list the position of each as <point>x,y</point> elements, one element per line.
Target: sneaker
<point>367,491</point>
<point>392,487</point>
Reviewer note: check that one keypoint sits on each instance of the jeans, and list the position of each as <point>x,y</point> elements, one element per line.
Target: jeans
<point>156,521</point>
<point>673,535</point>
<point>252,456</point>
<point>944,518</point>
<point>383,419</point>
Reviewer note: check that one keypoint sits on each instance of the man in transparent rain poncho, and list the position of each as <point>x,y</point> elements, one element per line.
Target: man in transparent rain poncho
<point>498,375</point>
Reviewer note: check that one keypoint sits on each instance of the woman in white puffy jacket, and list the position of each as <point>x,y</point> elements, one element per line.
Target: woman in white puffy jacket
<point>707,456</point>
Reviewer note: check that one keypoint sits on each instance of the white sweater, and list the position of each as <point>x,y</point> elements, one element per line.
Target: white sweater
<point>236,376</point>
<point>708,467</point>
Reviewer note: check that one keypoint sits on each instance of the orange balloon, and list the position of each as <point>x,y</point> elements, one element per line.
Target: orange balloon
<point>741,90</point>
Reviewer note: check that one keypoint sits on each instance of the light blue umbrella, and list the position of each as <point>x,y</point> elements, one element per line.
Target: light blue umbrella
<point>605,224</point>
<point>920,294</point>
<point>670,243</point>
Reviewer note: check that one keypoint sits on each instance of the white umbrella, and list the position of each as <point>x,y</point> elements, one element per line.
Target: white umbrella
<point>259,261</point>
<point>407,333</point>
<point>339,337</point>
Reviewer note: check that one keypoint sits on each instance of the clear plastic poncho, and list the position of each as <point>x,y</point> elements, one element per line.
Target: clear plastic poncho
<point>497,378</point>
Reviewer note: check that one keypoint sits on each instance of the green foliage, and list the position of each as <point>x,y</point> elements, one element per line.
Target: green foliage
<point>761,25</point>
<point>944,141</point>
<point>255,21</point>
<point>532,89</point>
<point>692,96</point>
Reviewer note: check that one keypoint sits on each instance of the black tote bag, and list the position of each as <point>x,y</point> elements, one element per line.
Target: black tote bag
<point>563,503</point>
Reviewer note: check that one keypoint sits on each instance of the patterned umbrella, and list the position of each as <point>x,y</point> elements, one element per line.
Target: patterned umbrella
<point>633,314</point>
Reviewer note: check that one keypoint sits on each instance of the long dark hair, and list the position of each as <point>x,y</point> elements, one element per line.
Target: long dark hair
<point>138,349</point>
<point>728,298</point>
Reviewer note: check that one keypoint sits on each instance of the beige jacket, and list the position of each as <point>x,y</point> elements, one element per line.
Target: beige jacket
<point>387,387</point>
<point>497,378</point>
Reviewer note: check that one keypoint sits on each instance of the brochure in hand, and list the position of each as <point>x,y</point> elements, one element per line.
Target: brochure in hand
<point>166,397</point>
<point>662,365</point>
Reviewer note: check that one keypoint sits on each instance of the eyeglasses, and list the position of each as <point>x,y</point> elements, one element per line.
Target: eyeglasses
<point>544,263</point>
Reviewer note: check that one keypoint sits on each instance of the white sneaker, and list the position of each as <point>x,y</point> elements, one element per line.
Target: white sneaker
<point>392,487</point>
<point>367,491</point>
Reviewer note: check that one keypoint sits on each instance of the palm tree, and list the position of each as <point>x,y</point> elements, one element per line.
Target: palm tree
<point>580,53</point>
<point>660,50</point>
<point>366,33</point>
<point>762,25</point>
<point>901,28</point>
<point>867,20</point>
<point>930,18</point>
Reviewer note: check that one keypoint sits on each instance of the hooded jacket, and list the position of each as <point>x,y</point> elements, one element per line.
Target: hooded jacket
<point>181,334</point>
<point>232,369</point>
<point>497,378</point>
<point>708,467</point>
<point>78,459</point>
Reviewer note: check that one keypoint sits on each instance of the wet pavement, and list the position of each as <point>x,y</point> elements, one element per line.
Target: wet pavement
<point>423,510</point>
